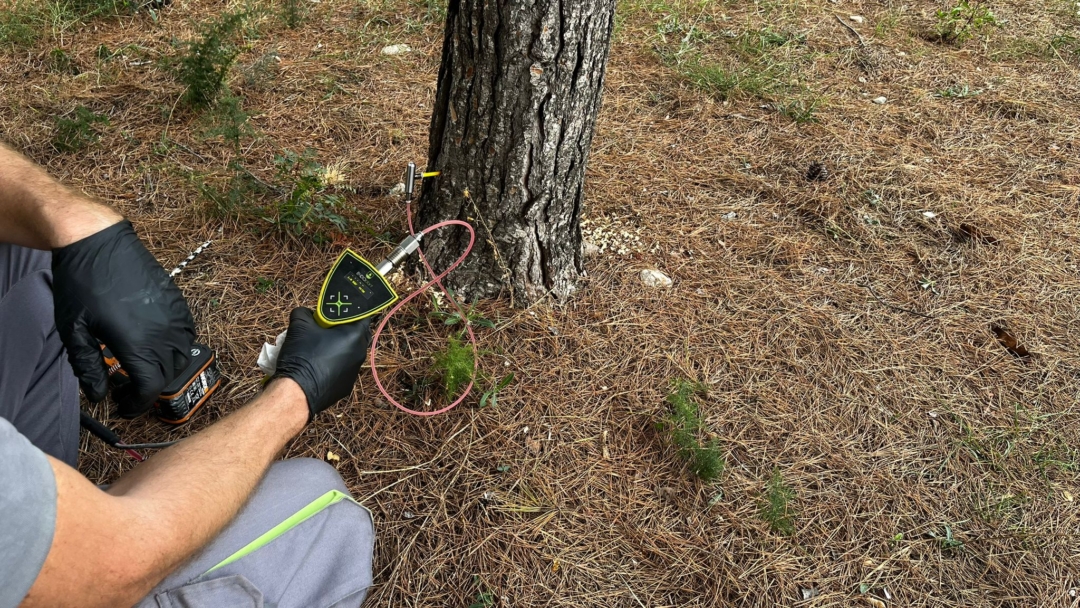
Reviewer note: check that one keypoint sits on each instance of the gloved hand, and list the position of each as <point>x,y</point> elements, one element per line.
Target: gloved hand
<point>108,289</point>
<point>324,361</point>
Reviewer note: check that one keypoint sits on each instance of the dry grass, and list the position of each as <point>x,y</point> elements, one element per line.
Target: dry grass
<point>789,303</point>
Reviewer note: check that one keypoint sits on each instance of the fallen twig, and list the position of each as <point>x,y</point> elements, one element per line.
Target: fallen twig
<point>852,30</point>
<point>894,307</point>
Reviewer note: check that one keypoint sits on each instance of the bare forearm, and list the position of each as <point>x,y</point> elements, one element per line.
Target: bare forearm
<point>37,211</point>
<point>190,491</point>
<point>213,472</point>
<point>111,549</point>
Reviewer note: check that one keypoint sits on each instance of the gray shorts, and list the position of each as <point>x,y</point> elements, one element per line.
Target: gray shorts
<point>320,554</point>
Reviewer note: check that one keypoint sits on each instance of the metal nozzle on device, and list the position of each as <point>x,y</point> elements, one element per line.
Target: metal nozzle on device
<point>402,251</point>
<point>410,181</point>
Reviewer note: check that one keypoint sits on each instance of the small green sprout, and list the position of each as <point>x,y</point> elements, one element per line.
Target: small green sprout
<point>776,508</point>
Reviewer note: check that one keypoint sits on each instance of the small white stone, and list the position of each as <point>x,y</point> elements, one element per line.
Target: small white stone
<point>880,100</point>
<point>398,190</point>
<point>590,249</point>
<point>655,279</point>
<point>396,49</point>
<point>857,19</point>
<point>929,214</point>
<point>730,215</point>
<point>903,54</point>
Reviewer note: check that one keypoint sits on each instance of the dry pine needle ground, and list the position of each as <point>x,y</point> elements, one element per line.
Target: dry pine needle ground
<point>842,324</point>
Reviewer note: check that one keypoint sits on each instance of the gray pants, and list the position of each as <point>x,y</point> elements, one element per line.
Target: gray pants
<point>39,395</point>
<point>300,540</point>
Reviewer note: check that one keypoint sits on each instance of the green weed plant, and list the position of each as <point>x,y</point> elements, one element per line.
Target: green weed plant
<point>963,21</point>
<point>958,91</point>
<point>947,541</point>
<point>776,506</point>
<point>261,72</point>
<point>79,131</point>
<point>203,63</point>
<point>454,365</point>
<point>310,202</point>
<point>230,122</point>
<point>22,24</point>
<point>293,13</point>
<point>800,111</point>
<point>685,424</point>
<point>27,21</point>
<point>88,9</point>
<point>61,63</point>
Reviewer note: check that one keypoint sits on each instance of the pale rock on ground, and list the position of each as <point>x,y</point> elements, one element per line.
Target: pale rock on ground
<point>655,279</point>
<point>396,49</point>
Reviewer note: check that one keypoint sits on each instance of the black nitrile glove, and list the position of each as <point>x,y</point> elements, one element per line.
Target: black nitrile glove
<point>324,361</point>
<point>108,289</point>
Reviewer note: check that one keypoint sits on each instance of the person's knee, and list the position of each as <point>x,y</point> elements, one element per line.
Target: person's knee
<point>17,262</point>
<point>28,308</point>
<point>306,475</point>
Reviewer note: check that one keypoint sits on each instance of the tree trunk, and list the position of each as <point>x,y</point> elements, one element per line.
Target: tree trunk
<point>518,94</point>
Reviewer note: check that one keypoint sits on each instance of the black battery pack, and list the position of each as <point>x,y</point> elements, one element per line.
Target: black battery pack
<point>186,393</point>
<point>191,389</point>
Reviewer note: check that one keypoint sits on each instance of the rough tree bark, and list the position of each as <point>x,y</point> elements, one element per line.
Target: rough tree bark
<point>518,94</point>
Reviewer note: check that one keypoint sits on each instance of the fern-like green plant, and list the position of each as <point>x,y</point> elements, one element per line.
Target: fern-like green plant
<point>230,122</point>
<point>776,506</point>
<point>454,365</point>
<point>204,63</point>
<point>79,131</point>
<point>293,13</point>
<point>705,460</point>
